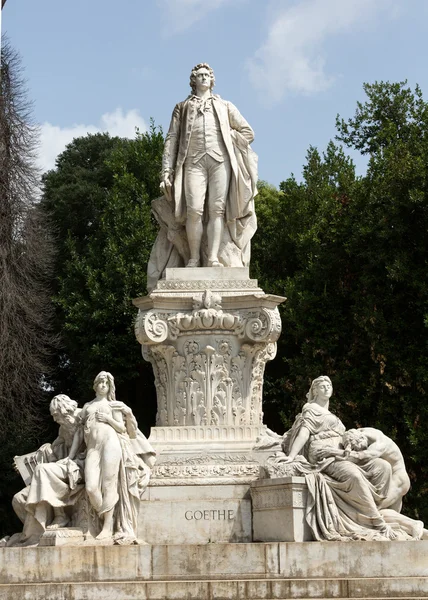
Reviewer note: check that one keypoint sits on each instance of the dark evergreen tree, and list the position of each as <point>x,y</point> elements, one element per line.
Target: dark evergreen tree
<point>98,198</point>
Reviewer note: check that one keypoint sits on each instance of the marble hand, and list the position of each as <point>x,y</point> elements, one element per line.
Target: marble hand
<point>288,459</point>
<point>102,417</point>
<point>327,452</point>
<point>166,185</point>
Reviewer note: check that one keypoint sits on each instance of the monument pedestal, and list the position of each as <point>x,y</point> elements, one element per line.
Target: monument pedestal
<point>208,332</point>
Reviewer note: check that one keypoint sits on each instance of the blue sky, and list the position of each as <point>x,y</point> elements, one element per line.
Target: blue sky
<point>289,65</point>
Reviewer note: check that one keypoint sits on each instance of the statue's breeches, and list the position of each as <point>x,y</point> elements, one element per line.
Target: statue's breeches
<point>207,175</point>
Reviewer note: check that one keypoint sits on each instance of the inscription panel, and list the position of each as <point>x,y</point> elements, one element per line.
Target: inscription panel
<point>209,515</point>
<point>195,522</point>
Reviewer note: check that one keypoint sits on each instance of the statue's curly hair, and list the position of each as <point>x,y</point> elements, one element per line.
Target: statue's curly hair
<point>192,82</point>
<point>63,404</point>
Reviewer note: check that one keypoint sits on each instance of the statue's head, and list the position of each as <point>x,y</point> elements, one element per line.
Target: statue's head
<point>200,68</point>
<point>355,439</point>
<point>105,380</point>
<point>321,386</point>
<point>62,409</point>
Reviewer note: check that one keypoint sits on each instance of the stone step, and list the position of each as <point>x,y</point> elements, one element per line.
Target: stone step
<point>381,588</point>
<point>207,562</point>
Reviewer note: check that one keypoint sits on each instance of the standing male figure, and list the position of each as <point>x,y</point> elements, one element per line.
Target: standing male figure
<point>208,165</point>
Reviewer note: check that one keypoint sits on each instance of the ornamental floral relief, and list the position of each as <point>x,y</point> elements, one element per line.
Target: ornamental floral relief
<point>209,363</point>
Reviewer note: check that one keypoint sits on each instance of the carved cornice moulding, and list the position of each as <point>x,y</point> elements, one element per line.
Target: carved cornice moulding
<point>206,433</point>
<point>258,322</point>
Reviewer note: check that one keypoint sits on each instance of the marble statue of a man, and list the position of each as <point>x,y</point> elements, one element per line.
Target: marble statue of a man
<point>56,482</point>
<point>209,175</point>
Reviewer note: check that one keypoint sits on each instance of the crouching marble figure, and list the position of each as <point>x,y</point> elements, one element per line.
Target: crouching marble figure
<point>355,479</point>
<point>100,459</point>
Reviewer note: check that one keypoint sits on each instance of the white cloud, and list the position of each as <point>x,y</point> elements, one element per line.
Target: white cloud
<point>292,58</point>
<point>180,15</point>
<point>53,139</point>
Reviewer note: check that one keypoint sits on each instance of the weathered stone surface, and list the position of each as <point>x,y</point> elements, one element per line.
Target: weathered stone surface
<point>279,510</point>
<point>62,537</point>
<point>203,572</point>
<point>196,514</point>
<point>206,273</point>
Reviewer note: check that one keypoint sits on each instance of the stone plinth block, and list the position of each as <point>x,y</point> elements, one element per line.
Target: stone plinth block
<point>208,340</point>
<point>62,536</point>
<point>195,514</point>
<point>279,510</point>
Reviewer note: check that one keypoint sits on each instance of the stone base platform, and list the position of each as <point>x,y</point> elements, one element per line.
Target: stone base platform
<point>217,571</point>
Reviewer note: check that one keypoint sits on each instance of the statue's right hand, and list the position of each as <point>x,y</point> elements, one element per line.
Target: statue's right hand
<point>287,460</point>
<point>101,417</point>
<point>166,185</point>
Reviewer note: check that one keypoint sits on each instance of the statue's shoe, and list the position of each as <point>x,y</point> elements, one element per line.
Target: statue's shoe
<point>193,262</point>
<point>214,263</point>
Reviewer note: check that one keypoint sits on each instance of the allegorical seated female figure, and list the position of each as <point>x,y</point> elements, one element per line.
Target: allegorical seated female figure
<point>118,460</point>
<point>344,498</point>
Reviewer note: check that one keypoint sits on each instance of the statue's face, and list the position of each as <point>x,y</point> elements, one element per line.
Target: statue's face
<point>102,386</point>
<point>63,417</point>
<point>203,79</point>
<point>324,390</point>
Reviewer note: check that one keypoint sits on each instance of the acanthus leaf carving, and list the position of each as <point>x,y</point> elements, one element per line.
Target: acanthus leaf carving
<point>209,363</point>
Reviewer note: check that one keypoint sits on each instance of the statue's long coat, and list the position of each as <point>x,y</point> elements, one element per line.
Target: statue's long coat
<point>244,176</point>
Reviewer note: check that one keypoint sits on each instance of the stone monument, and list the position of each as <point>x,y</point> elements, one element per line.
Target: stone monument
<point>206,327</point>
<point>211,471</point>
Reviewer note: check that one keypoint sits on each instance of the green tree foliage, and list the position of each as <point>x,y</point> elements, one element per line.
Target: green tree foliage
<point>99,198</point>
<point>351,257</point>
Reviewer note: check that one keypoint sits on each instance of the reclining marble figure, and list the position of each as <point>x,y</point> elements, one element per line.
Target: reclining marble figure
<point>356,479</point>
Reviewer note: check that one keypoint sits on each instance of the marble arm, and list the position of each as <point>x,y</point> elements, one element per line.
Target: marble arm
<point>299,442</point>
<point>374,450</point>
<point>56,446</point>
<point>117,425</point>
<point>170,151</point>
<point>77,442</point>
<point>237,122</point>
